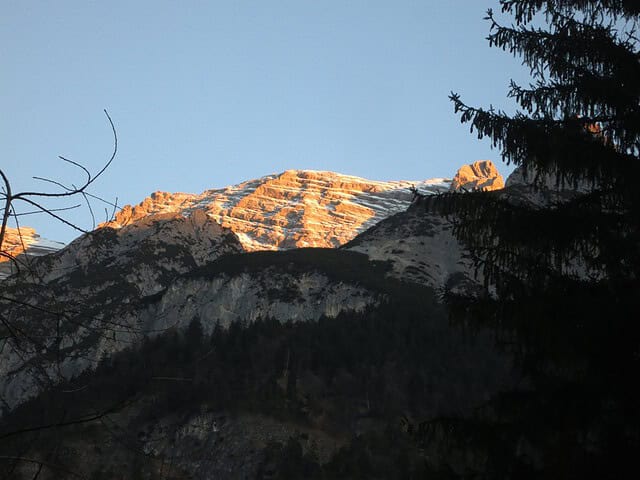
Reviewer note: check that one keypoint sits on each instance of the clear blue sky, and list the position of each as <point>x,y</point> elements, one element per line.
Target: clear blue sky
<point>210,93</point>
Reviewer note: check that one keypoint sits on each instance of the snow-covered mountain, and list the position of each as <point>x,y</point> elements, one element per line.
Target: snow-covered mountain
<point>292,209</point>
<point>209,358</point>
<point>23,244</point>
<point>179,260</point>
<point>296,208</point>
<point>176,257</point>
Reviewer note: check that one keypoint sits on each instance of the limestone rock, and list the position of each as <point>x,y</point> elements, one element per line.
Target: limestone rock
<point>102,281</point>
<point>296,208</point>
<point>420,247</point>
<point>480,175</point>
<point>22,244</point>
<point>522,177</point>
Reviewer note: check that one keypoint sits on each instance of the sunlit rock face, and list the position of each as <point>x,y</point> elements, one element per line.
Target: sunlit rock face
<point>22,244</point>
<point>420,244</point>
<point>168,261</point>
<point>480,175</point>
<point>296,208</point>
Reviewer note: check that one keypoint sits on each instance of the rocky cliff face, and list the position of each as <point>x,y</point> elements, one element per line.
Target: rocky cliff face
<point>166,261</point>
<point>110,289</point>
<point>23,244</point>
<point>85,300</point>
<point>138,274</point>
<point>297,208</point>
<point>420,247</point>
<point>544,190</point>
<point>480,175</point>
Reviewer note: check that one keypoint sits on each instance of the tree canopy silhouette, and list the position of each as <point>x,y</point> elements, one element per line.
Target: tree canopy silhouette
<point>561,259</point>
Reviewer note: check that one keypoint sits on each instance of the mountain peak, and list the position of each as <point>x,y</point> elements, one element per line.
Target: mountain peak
<point>480,175</point>
<point>25,240</point>
<point>294,208</point>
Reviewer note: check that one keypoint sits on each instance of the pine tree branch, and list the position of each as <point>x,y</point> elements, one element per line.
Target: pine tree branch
<point>551,146</point>
<point>525,10</point>
<point>567,49</point>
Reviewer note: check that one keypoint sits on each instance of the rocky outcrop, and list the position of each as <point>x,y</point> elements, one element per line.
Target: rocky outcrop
<point>93,293</point>
<point>523,177</point>
<point>112,288</point>
<point>146,253</point>
<point>22,244</point>
<point>480,175</point>
<point>296,208</point>
<point>420,247</point>
<point>167,261</point>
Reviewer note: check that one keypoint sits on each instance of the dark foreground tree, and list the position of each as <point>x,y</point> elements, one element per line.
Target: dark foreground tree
<point>562,269</point>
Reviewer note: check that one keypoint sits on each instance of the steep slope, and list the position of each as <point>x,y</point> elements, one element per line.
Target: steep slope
<point>419,245</point>
<point>209,402</point>
<point>296,208</point>
<point>68,308</point>
<point>215,406</point>
<point>113,288</point>
<point>23,244</point>
<point>209,359</point>
<point>117,285</point>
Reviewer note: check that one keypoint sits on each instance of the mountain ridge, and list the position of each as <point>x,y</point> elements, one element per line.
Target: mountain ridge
<point>225,348</point>
<point>25,240</point>
<point>292,209</point>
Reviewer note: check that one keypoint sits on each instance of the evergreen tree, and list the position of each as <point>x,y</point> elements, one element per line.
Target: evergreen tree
<point>562,276</point>
<point>580,124</point>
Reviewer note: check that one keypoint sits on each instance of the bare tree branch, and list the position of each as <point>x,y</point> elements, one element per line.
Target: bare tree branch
<point>10,198</point>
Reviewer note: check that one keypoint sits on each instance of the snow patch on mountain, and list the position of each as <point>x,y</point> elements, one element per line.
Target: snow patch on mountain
<point>23,244</point>
<point>296,208</point>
